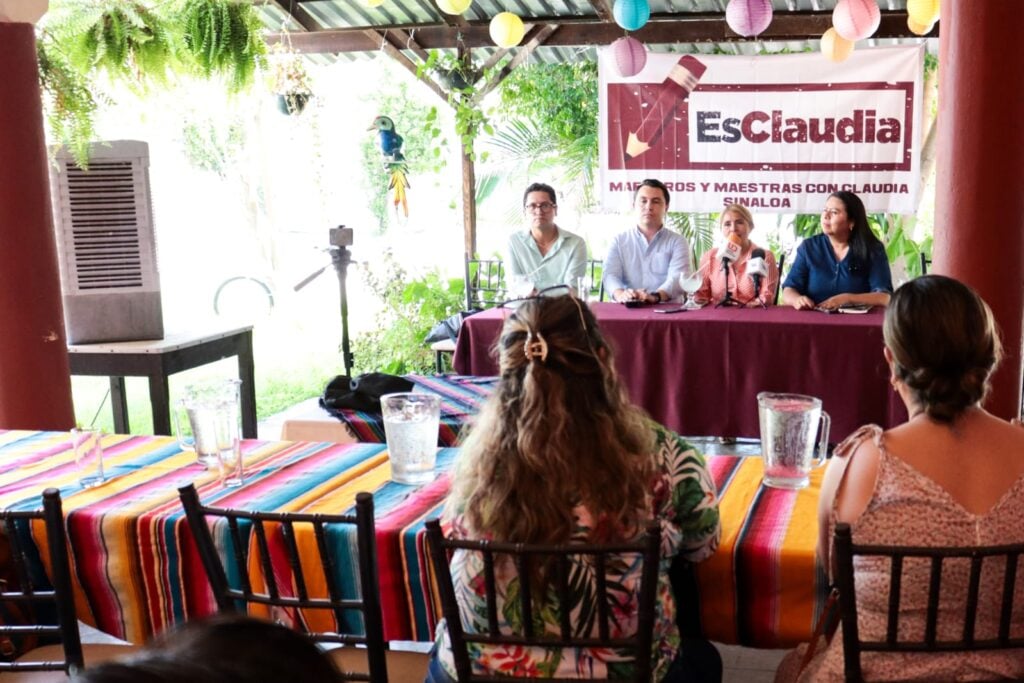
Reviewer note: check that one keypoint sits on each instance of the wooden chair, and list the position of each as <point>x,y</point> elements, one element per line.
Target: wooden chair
<point>853,644</point>
<point>371,662</point>
<point>29,589</point>
<point>522,555</point>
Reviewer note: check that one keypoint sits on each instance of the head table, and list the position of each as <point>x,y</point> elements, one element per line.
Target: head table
<point>137,573</point>
<point>699,372</point>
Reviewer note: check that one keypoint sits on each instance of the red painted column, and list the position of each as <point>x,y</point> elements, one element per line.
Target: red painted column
<point>35,383</point>
<point>979,209</point>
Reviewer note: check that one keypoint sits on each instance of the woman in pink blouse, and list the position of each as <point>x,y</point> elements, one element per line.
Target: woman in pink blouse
<point>736,224</point>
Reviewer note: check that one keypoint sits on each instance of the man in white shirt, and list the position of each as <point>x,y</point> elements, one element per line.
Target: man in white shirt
<point>644,264</point>
<point>544,255</point>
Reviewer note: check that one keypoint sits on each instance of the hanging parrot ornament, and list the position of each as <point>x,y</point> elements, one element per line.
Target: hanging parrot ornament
<point>390,143</point>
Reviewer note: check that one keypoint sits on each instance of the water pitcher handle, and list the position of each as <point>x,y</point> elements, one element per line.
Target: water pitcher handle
<point>826,426</point>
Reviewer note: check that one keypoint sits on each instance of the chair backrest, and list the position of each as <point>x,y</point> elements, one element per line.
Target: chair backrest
<point>778,285</point>
<point>485,282</point>
<point>287,531</point>
<point>26,591</point>
<point>522,557</point>
<point>925,262</point>
<point>992,558</point>
<point>595,275</point>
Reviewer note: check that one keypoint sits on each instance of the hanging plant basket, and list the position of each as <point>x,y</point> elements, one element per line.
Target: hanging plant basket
<point>293,103</point>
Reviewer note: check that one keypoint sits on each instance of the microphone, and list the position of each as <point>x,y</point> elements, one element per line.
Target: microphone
<point>757,269</point>
<point>730,251</point>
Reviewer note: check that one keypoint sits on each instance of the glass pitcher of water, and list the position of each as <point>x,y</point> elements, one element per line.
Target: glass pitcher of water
<point>789,423</point>
<point>212,410</point>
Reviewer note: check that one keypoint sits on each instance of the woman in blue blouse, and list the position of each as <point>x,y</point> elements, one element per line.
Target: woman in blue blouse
<point>844,265</point>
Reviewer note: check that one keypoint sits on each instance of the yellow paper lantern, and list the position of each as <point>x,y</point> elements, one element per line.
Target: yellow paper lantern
<point>922,12</point>
<point>835,47</point>
<point>919,29</point>
<point>507,29</point>
<point>454,6</point>
<point>373,3</point>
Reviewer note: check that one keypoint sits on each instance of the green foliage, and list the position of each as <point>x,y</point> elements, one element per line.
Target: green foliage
<point>126,39</point>
<point>459,78</point>
<point>413,121</point>
<point>560,99</point>
<point>69,100</point>
<point>410,309</point>
<point>549,122</point>
<point>210,147</point>
<point>698,229</point>
<point>222,37</point>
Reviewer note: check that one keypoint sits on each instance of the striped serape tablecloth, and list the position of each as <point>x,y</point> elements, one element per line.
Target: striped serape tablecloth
<point>137,573</point>
<point>461,398</point>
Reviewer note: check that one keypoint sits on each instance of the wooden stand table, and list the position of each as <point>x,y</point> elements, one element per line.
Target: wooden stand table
<point>159,358</point>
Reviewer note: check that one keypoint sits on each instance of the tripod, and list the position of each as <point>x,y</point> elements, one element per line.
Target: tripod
<point>728,299</point>
<point>341,257</point>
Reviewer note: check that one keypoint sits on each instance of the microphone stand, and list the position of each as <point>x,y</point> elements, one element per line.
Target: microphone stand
<point>341,257</point>
<point>727,300</point>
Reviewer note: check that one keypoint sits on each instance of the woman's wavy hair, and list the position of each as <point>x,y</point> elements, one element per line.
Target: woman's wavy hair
<point>862,237</point>
<point>944,344</point>
<point>557,432</point>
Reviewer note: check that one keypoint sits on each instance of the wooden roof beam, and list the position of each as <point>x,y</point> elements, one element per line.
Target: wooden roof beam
<point>535,37</point>
<point>391,51</point>
<point>581,31</point>
<point>603,11</point>
<point>296,11</point>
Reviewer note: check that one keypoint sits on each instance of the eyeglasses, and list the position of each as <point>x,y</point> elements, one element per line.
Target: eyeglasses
<point>543,206</point>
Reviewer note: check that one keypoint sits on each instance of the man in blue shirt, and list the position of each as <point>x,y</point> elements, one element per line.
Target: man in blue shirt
<point>644,264</point>
<point>545,255</point>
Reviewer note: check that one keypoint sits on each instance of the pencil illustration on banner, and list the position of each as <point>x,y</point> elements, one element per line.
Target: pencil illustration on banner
<point>676,87</point>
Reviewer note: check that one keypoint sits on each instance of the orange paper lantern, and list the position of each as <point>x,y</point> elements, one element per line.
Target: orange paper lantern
<point>835,47</point>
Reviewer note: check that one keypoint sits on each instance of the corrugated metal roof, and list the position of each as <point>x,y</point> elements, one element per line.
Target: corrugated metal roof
<point>410,16</point>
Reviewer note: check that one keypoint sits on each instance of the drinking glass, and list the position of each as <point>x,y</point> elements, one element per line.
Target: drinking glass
<point>87,443</point>
<point>582,287</point>
<point>411,425</point>
<point>690,284</point>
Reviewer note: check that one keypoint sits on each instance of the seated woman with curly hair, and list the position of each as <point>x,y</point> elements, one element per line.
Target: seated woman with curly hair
<point>559,454</point>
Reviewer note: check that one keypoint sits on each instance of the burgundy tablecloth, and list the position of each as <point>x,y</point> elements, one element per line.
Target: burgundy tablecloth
<point>699,372</point>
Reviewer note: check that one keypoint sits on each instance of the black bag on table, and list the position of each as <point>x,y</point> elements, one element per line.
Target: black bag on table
<point>362,393</point>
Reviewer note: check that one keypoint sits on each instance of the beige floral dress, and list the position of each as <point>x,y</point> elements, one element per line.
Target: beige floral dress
<point>908,508</point>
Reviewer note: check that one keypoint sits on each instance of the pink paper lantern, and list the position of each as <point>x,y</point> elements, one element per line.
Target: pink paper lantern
<point>856,19</point>
<point>748,17</point>
<point>630,56</point>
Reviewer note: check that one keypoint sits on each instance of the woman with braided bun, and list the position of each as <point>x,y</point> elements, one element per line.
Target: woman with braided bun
<point>559,454</point>
<point>952,475</point>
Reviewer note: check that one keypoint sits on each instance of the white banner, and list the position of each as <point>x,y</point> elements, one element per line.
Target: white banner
<point>776,133</point>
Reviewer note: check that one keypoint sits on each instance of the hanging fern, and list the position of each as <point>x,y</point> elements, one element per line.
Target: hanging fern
<point>70,102</point>
<point>222,37</point>
<point>126,39</point>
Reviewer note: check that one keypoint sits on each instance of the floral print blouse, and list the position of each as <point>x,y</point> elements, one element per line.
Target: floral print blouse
<point>685,504</point>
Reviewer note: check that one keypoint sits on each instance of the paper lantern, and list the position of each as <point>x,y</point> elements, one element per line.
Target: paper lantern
<point>631,14</point>
<point>506,29</point>
<point>923,12</point>
<point>630,56</point>
<point>919,29</point>
<point>454,6</point>
<point>748,17</point>
<point>856,19</point>
<point>373,3</point>
<point>835,47</point>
